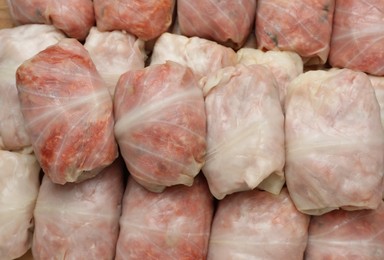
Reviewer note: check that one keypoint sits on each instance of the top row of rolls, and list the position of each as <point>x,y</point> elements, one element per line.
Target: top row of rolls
<point>343,33</point>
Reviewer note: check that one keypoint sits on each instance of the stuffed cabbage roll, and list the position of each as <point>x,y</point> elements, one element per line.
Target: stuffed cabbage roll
<point>357,38</point>
<point>79,220</point>
<point>17,45</point>
<point>284,65</point>
<point>74,17</point>
<point>245,136</point>
<point>145,19</point>
<point>301,26</point>
<point>347,235</point>
<point>114,53</point>
<point>161,125</point>
<point>334,142</point>
<point>67,111</point>
<point>227,22</point>
<point>258,225</point>
<point>202,56</point>
<point>174,224</point>
<point>19,186</point>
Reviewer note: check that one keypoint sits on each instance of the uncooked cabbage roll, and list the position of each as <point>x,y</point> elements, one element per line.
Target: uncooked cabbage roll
<point>301,26</point>
<point>334,142</point>
<point>161,125</point>
<point>245,137</point>
<point>79,220</point>
<point>258,225</point>
<point>357,37</point>
<point>174,224</point>
<point>68,112</point>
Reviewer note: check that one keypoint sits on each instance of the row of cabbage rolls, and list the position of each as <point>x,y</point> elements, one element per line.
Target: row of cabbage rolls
<point>194,147</point>
<point>275,145</point>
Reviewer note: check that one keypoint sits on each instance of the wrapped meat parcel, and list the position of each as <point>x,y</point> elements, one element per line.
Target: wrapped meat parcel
<point>67,111</point>
<point>17,45</point>
<point>74,17</point>
<point>284,65</point>
<point>245,137</point>
<point>258,225</point>
<point>227,22</point>
<point>145,19</point>
<point>334,142</point>
<point>357,38</point>
<point>174,224</point>
<point>347,235</point>
<point>19,186</point>
<point>79,220</point>
<point>161,125</point>
<point>301,26</point>
<point>114,53</point>
<point>201,55</point>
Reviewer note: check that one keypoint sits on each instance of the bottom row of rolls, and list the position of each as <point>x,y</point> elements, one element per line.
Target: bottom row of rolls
<point>111,216</point>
